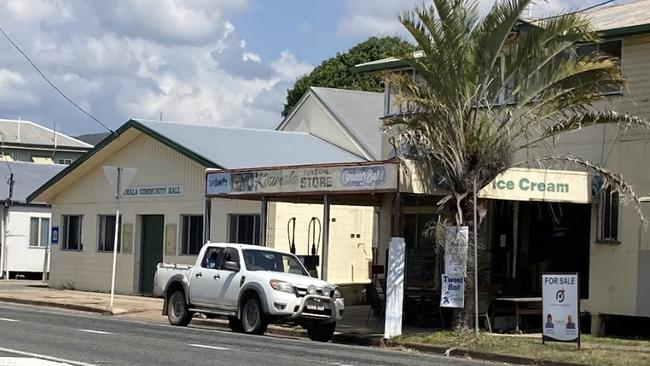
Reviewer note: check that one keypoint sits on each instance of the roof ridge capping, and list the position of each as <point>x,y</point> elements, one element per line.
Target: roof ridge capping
<point>218,127</point>
<point>341,90</point>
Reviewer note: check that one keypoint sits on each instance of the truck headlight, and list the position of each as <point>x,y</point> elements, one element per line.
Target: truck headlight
<point>281,286</point>
<point>338,294</point>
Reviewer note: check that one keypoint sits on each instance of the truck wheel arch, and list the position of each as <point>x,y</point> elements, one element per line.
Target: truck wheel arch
<point>252,289</point>
<point>175,283</point>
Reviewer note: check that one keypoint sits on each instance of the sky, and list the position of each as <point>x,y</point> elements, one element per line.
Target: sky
<point>210,62</point>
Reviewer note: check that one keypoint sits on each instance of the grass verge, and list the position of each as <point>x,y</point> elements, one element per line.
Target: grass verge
<point>595,351</point>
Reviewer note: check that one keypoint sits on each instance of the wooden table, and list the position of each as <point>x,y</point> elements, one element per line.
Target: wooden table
<point>517,301</point>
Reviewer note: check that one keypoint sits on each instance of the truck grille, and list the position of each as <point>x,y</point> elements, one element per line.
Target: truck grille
<point>302,292</point>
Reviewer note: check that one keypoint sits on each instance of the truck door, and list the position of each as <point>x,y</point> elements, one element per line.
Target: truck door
<point>231,280</point>
<point>205,284</point>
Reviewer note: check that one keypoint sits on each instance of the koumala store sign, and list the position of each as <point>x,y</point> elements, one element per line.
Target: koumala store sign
<point>522,184</point>
<point>303,180</point>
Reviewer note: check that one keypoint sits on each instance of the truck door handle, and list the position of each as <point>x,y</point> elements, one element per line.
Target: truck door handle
<point>216,277</point>
<point>199,275</point>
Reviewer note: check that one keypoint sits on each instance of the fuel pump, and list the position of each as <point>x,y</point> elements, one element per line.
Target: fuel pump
<point>291,235</point>
<point>312,259</point>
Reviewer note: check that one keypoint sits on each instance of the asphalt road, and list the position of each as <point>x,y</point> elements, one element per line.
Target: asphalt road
<point>59,336</point>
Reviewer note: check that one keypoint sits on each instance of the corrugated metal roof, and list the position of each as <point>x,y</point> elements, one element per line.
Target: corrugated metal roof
<point>27,132</point>
<point>359,112</point>
<point>234,148</point>
<point>27,176</point>
<point>623,15</point>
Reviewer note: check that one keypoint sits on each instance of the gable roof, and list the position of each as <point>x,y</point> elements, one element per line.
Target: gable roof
<point>27,177</point>
<point>21,132</point>
<point>621,19</point>
<point>93,138</point>
<point>358,112</point>
<point>224,147</point>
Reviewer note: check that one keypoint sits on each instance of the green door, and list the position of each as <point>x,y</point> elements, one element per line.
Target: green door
<point>152,250</point>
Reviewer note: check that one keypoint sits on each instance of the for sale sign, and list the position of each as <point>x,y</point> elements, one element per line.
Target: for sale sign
<point>560,304</point>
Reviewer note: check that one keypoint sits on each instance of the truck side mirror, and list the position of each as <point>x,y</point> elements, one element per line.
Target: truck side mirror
<point>231,266</point>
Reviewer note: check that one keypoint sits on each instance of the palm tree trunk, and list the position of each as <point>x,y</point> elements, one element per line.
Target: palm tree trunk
<point>464,317</point>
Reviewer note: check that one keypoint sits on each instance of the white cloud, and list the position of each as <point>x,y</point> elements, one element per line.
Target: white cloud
<point>139,58</point>
<point>379,17</point>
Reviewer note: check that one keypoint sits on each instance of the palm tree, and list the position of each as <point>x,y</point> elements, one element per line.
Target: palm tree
<point>486,89</point>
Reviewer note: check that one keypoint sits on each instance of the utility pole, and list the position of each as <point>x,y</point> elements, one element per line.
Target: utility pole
<point>5,221</point>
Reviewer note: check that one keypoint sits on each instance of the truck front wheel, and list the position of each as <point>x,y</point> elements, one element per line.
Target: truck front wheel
<point>320,332</point>
<point>252,317</point>
<point>177,310</point>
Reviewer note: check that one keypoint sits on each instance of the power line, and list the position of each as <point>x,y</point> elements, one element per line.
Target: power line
<point>52,84</point>
<point>578,11</point>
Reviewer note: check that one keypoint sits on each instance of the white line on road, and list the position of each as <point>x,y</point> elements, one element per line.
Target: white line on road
<point>45,357</point>
<point>94,331</point>
<point>209,347</point>
<point>8,320</point>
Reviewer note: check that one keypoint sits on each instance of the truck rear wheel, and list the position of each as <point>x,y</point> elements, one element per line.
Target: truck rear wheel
<point>320,332</point>
<point>252,317</point>
<point>178,312</point>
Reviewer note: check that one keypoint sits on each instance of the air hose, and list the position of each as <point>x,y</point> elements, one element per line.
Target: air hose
<point>311,234</point>
<point>291,235</point>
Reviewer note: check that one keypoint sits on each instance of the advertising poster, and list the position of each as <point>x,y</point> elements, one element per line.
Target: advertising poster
<point>452,294</point>
<point>560,306</point>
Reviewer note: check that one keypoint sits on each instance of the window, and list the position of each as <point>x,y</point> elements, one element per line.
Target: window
<point>192,234</point>
<point>39,230</point>
<point>244,229</point>
<point>610,48</point>
<point>390,91</point>
<point>106,228</point>
<point>608,216</point>
<point>64,161</point>
<point>263,260</point>
<point>71,232</point>
<point>212,258</point>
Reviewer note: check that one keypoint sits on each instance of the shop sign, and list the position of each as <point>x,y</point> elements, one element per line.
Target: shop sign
<point>395,288</point>
<point>523,184</point>
<point>153,191</point>
<point>560,307</point>
<point>452,294</point>
<point>304,179</point>
<point>456,239</point>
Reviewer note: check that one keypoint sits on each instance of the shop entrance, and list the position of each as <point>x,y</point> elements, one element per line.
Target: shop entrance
<point>152,250</point>
<point>550,237</point>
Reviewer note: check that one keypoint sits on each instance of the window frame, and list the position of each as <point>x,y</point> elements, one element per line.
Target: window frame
<point>183,235</point>
<point>607,223</point>
<point>64,161</point>
<point>100,227</point>
<point>39,233</point>
<point>64,237</point>
<point>598,50</point>
<point>257,221</point>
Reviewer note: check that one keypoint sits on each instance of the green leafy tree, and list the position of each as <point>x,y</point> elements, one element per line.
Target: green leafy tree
<point>469,114</point>
<point>336,72</point>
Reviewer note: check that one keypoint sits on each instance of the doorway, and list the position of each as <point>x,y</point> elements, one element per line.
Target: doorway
<point>152,250</point>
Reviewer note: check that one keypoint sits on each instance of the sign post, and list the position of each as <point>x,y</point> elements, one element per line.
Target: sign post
<point>117,178</point>
<point>560,307</point>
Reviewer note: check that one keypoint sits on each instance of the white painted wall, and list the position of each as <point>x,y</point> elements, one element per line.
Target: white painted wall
<point>21,257</point>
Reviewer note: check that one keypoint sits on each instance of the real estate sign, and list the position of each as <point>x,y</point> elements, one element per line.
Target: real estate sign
<point>560,307</point>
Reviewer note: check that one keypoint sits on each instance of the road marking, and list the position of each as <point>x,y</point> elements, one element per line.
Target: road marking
<point>210,347</point>
<point>94,331</point>
<point>8,320</point>
<point>45,357</point>
<point>28,361</point>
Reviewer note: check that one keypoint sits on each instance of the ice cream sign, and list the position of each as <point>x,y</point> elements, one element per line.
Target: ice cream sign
<point>522,184</point>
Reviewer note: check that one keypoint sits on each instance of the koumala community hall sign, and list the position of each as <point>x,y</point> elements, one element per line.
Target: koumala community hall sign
<point>375,177</point>
<point>521,184</point>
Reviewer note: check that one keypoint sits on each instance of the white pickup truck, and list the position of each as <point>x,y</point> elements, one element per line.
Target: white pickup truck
<point>252,286</point>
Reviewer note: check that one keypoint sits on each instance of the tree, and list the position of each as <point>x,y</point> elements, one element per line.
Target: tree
<point>487,89</point>
<point>336,72</point>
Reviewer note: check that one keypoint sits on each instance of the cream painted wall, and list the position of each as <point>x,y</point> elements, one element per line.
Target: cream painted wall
<point>21,257</point>
<point>312,117</point>
<point>349,257</point>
